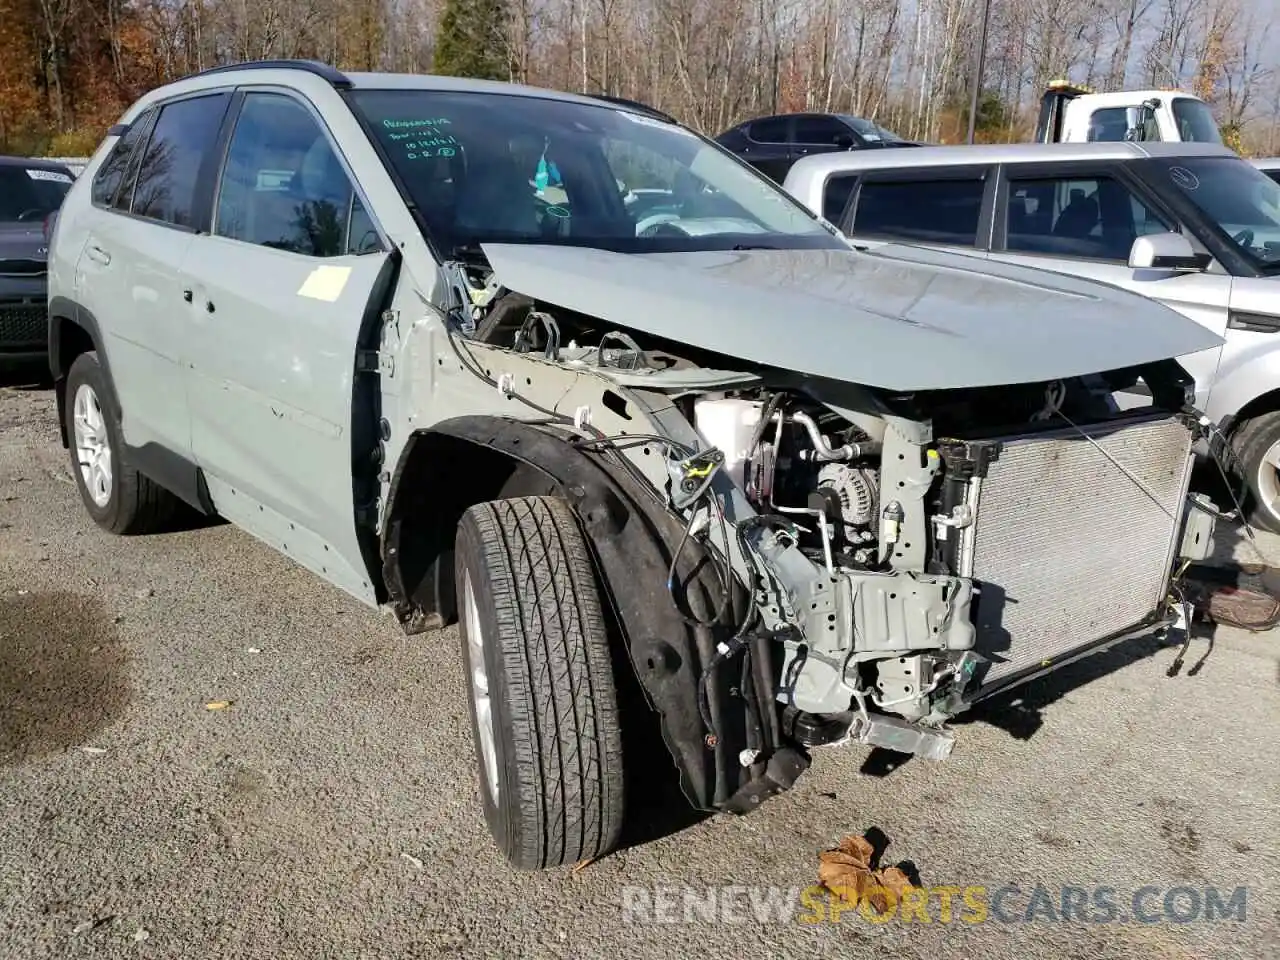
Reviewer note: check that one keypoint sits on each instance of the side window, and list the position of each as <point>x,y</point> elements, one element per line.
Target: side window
<point>185,133</point>
<point>769,130</point>
<point>1093,217</point>
<point>925,211</point>
<point>107,181</point>
<point>284,187</point>
<point>1273,174</point>
<point>1108,124</point>
<point>820,130</point>
<point>835,195</point>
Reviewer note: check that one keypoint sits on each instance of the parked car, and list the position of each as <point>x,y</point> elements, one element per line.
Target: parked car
<point>719,458</point>
<point>30,193</point>
<point>1190,225</point>
<point>772,144</point>
<point>1270,166</point>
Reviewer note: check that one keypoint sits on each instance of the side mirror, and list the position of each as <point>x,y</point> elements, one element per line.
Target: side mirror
<point>844,140</point>
<point>1166,251</point>
<point>1133,123</point>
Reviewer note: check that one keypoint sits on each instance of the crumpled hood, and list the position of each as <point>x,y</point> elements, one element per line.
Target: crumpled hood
<point>899,318</point>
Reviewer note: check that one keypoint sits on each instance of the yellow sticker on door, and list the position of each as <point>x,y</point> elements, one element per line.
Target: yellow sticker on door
<point>325,283</point>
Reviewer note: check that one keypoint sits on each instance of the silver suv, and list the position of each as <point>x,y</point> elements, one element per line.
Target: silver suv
<point>1191,225</point>
<point>563,371</point>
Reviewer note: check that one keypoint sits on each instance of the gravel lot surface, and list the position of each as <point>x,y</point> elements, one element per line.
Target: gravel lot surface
<point>331,810</point>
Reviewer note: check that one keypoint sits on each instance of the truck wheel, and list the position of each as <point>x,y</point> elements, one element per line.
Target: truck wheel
<point>1257,444</point>
<point>117,496</point>
<point>544,710</point>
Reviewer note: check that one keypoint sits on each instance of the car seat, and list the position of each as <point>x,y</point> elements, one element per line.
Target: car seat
<point>1078,219</point>
<point>496,197</point>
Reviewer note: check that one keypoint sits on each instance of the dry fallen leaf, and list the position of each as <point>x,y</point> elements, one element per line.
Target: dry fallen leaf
<point>217,704</point>
<point>846,871</point>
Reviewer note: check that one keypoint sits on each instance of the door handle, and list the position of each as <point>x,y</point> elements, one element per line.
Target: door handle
<point>187,295</point>
<point>208,306</point>
<point>97,254</point>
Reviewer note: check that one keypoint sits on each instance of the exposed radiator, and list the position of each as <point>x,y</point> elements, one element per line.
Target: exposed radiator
<point>1069,550</point>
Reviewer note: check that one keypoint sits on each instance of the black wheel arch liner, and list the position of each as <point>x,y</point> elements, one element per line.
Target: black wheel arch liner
<point>633,536</point>
<point>65,310</point>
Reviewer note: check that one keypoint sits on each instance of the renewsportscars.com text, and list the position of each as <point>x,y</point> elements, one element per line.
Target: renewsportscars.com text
<point>970,904</point>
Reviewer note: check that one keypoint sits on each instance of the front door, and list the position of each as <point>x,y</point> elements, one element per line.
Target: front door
<point>1084,223</point>
<point>281,294</point>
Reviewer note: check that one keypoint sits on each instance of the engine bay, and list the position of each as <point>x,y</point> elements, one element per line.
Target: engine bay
<point>846,513</point>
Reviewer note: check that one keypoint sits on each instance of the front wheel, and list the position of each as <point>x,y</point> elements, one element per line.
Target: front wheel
<point>544,709</point>
<point>1257,447</point>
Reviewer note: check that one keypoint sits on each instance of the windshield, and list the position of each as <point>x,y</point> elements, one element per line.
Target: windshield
<point>1195,121</point>
<point>1237,197</point>
<point>488,167</point>
<point>29,194</point>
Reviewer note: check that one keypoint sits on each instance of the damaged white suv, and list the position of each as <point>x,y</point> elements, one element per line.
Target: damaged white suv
<point>564,371</point>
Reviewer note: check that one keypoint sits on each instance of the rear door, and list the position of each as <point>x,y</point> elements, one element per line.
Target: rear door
<point>132,263</point>
<point>283,293</point>
<point>768,146</point>
<point>1082,219</point>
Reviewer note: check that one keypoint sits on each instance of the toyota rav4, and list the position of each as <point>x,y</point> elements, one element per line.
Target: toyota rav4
<point>420,335</point>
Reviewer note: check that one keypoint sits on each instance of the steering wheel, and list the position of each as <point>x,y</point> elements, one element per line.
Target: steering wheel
<point>1244,238</point>
<point>32,213</point>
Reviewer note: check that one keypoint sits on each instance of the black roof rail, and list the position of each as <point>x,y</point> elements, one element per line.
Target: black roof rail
<point>324,71</point>
<point>635,105</point>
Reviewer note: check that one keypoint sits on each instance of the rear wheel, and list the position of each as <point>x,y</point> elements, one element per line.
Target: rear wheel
<point>117,496</point>
<point>543,704</point>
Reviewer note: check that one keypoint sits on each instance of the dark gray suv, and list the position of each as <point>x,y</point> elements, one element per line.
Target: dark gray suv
<point>31,192</point>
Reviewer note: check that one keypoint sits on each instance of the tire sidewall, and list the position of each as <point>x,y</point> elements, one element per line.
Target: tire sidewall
<point>1253,441</point>
<point>87,370</point>
<point>469,559</point>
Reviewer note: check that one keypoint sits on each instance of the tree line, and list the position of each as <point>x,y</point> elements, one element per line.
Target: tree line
<point>72,66</point>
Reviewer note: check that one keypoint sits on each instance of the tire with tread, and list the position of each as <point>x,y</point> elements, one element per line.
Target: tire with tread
<point>546,648</point>
<point>1251,440</point>
<point>137,504</point>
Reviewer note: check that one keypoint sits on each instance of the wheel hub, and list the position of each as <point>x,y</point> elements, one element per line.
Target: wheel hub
<point>1268,480</point>
<point>93,445</point>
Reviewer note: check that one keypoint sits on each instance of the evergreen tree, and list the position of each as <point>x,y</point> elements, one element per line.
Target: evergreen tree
<point>472,40</point>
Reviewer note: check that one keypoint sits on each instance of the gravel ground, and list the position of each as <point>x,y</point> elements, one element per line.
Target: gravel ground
<point>331,810</point>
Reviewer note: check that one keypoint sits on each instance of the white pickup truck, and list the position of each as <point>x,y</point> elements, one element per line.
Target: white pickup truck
<point>1073,114</point>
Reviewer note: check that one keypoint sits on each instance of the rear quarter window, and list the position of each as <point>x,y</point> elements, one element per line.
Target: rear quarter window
<point>111,174</point>
<point>921,211</point>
